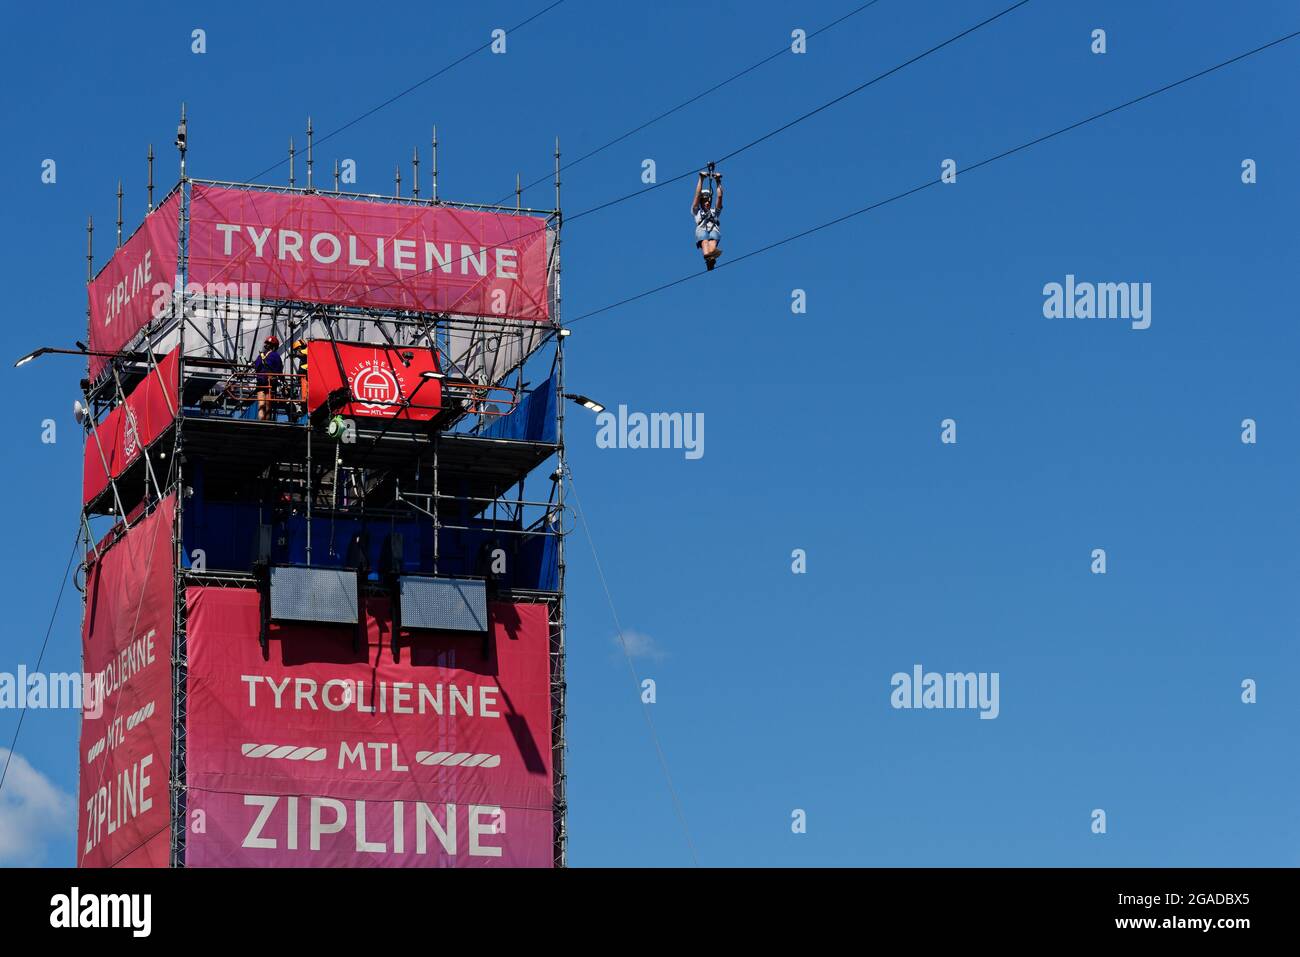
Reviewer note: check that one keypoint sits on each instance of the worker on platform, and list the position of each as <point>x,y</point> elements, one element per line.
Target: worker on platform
<point>707,211</point>
<point>266,365</point>
<point>300,361</point>
<point>297,384</point>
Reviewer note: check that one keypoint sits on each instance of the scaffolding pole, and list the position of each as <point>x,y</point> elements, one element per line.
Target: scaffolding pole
<point>180,610</point>
<point>559,688</point>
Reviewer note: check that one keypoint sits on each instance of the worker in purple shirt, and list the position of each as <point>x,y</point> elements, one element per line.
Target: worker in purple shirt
<point>266,365</point>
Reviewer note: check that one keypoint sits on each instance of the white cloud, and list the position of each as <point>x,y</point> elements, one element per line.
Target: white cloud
<point>32,807</point>
<point>641,646</point>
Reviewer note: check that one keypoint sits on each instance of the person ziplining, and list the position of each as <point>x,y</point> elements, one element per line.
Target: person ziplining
<point>707,211</point>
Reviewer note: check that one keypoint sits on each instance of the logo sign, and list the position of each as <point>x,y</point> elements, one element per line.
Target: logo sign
<point>385,381</point>
<point>130,437</point>
<point>384,255</point>
<point>375,386</point>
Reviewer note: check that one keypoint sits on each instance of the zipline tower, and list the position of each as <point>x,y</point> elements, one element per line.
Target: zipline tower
<point>327,622</point>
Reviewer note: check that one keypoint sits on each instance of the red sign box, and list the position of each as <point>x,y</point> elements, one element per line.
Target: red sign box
<point>320,756</point>
<point>124,806</point>
<point>382,380</point>
<point>142,272</point>
<point>386,255</point>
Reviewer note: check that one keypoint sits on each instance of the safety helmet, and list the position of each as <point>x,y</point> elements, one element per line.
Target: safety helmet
<point>299,345</point>
<point>273,341</point>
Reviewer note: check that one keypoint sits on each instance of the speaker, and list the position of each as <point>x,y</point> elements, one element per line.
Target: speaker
<point>443,604</point>
<point>327,595</point>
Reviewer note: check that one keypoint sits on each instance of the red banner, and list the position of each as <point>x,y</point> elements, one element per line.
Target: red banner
<point>124,812</point>
<point>123,295</point>
<point>382,379</point>
<point>118,440</point>
<point>325,757</point>
<point>359,253</point>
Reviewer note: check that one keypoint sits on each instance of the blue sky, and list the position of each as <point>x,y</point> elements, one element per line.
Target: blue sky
<point>1119,692</point>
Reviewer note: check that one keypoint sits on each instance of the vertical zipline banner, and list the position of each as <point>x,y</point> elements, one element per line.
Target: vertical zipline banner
<point>131,427</point>
<point>124,807</point>
<point>140,273</point>
<point>368,253</point>
<point>319,756</point>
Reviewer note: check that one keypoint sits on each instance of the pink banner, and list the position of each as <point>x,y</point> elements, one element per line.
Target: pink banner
<point>118,440</point>
<point>325,757</point>
<point>359,253</point>
<point>124,811</point>
<point>141,273</point>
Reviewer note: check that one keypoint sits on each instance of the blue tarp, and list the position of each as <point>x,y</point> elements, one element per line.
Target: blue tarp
<point>227,532</point>
<point>532,420</point>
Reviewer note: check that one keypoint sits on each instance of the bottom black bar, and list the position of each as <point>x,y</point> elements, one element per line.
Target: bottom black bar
<point>737,907</point>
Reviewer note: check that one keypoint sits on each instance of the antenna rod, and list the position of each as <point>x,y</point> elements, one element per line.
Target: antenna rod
<point>336,175</point>
<point>119,214</point>
<point>435,164</point>
<point>518,192</point>
<point>291,162</point>
<point>151,177</point>
<point>90,248</point>
<point>557,174</point>
<point>182,135</point>
<point>415,171</point>
<point>397,178</point>
<point>309,137</point>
